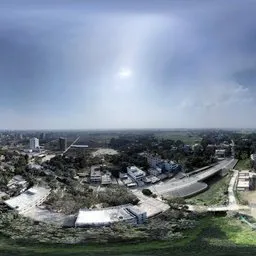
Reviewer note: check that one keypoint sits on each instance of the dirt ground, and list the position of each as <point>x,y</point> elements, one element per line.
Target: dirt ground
<point>249,196</point>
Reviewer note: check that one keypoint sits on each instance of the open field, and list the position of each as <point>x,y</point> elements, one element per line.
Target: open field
<point>215,236</point>
<point>186,137</point>
<point>104,151</point>
<point>243,164</point>
<point>216,194</point>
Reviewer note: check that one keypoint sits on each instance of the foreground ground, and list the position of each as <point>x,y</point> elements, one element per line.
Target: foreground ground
<point>214,236</point>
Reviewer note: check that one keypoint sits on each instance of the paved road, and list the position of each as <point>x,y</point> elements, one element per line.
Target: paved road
<point>231,195</point>
<point>172,185</point>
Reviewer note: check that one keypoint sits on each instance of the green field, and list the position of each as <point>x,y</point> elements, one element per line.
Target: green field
<point>186,137</point>
<point>243,164</point>
<point>215,236</point>
<point>216,194</point>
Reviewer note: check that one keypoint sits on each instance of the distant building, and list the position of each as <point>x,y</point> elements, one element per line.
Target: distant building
<point>197,147</point>
<point>172,167</point>
<point>136,173</point>
<point>34,143</point>
<point>42,136</point>
<point>153,160</point>
<point>220,153</point>
<point>63,143</point>
<point>187,148</point>
<point>95,176</point>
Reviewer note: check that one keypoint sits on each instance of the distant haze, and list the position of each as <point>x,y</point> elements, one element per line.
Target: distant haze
<point>127,64</point>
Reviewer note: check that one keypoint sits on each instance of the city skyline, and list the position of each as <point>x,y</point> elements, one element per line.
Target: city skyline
<point>119,65</point>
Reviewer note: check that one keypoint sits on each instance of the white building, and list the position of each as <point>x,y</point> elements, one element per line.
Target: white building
<point>28,199</point>
<point>107,216</point>
<point>34,143</point>
<point>244,181</point>
<point>17,182</point>
<point>106,179</point>
<point>136,173</point>
<point>95,176</point>
<point>220,153</point>
<point>153,161</point>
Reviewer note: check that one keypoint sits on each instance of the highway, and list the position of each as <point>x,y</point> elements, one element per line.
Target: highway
<point>175,185</point>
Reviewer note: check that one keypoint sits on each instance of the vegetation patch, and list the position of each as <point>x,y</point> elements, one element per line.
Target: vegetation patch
<point>243,164</point>
<point>216,194</point>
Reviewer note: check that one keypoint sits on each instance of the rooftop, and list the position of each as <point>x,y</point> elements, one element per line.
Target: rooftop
<point>27,199</point>
<point>243,184</point>
<point>94,217</point>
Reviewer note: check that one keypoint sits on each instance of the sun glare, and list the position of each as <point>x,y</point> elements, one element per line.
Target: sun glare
<point>124,73</point>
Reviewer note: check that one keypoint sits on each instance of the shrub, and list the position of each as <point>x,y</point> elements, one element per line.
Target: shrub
<point>146,192</point>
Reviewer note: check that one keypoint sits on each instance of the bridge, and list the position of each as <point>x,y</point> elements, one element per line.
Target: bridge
<point>191,185</point>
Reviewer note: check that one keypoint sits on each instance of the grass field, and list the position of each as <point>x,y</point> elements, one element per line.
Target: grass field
<point>243,164</point>
<point>215,236</point>
<point>216,194</point>
<point>186,137</point>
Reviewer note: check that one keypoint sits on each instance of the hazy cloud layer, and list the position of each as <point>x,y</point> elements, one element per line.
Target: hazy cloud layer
<point>127,64</point>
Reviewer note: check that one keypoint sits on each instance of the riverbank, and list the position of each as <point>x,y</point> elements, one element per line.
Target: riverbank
<point>214,236</point>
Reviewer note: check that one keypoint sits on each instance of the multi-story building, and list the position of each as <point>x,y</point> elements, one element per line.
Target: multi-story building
<point>220,153</point>
<point>63,143</point>
<point>153,160</point>
<point>136,173</point>
<point>42,136</point>
<point>34,143</point>
<point>95,176</point>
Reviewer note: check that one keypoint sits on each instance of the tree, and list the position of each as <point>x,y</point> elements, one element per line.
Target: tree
<point>147,192</point>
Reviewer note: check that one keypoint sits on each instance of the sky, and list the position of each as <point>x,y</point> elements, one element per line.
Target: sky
<point>127,64</point>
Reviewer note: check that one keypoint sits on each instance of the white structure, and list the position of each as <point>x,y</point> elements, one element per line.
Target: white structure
<point>18,182</point>
<point>253,157</point>
<point>107,216</point>
<point>29,199</point>
<point>95,176</point>
<point>34,143</point>
<point>136,173</point>
<point>244,181</point>
<point>106,179</point>
<point>153,161</point>
<point>141,216</point>
<point>220,153</point>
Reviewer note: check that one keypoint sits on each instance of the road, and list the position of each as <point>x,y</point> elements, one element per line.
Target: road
<point>172,185</point>
<point>231,195</point>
